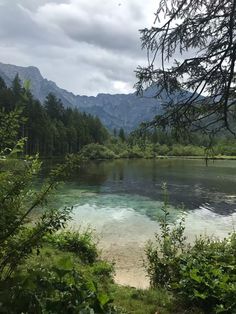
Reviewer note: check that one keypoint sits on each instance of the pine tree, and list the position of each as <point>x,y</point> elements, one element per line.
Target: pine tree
<point>16,87</point>
<point>2,84</point>
<point>122,135</point>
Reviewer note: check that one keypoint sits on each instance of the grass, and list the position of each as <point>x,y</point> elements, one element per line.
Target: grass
<point>148,301</point>
<point>141,301</point>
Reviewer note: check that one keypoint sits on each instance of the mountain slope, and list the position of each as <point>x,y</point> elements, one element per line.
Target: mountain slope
<point>115,111</point>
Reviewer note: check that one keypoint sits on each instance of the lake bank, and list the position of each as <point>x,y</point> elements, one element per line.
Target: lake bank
<point>122,200</point>
<point>198,157</point>
<point>154,151</point>
<point>123,234</point>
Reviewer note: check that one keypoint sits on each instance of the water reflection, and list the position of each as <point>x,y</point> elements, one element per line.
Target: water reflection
<point>122,200</point>
<point>189,182</point>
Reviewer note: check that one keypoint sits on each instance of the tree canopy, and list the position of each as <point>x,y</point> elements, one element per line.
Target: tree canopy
<point>201,35</point>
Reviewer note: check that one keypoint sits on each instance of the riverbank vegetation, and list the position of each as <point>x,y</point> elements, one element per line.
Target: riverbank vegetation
<point>200,275</point>
<point>150,151</point>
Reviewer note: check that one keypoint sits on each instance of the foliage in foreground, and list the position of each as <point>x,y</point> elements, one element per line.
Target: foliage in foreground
<point>18,201</point>
<point>77,243</point>
<point>202,274</point>
<point>65,279</point>
<point>60,280</point>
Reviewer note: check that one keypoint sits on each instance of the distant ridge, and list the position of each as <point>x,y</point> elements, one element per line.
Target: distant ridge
<point>115,111</point>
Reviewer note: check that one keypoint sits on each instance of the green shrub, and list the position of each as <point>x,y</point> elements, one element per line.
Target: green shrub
<point>118,147</point>
<point>132,152</point>
<point>186,150</point>
<point>208,274</point>
<point>202,274</point>
<point>80,243</point>
<point>149,151</point>
<point>161,150</point>
<point>227,149</point>
<point>103,270</point>
<point>96,152</point>
<point>163,255</point>
<point>135,152</point>
<point>124,154</point>
<point>57,288</point>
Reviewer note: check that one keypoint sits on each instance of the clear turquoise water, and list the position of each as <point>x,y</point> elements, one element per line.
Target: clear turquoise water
<point>122,201</point>
<point>127,194</point>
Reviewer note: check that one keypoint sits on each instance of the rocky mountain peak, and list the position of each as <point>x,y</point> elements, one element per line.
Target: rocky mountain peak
<point>115,111</point>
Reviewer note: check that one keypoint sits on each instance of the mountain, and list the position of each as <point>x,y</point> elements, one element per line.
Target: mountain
<point>40,87</point>
<point>115,111</point>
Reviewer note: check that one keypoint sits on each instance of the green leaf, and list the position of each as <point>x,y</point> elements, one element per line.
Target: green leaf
<point>194,275</point>
<point>66,263</point>
<point>103,299</point>
<point>202,296</point>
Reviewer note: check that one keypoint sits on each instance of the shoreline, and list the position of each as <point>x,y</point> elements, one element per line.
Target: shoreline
<point>128,254</point>
<point>128,265</point>
<point>219,157</point>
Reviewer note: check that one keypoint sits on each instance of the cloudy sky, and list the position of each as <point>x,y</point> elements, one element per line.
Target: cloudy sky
<point>85,46</point>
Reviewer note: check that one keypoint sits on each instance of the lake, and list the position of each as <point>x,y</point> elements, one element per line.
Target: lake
<point>122,200</point>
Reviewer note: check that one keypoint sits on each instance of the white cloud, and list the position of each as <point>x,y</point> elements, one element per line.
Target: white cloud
<point>84,46</point>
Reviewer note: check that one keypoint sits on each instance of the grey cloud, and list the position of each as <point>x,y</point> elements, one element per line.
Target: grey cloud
<point>82,45</point>
<point>108,24</point>
<point>18,28</point>
<point>14,24</point>
<point>102,35</point>
<point>116,69</point>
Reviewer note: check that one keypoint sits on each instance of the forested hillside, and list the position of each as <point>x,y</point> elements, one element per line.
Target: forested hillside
<point>51,129</point>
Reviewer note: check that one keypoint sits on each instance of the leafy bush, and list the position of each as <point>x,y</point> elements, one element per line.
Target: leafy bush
<point>163,255</point>
<point>124,154</point>
<point>57,288</point>
<point>207,274</point>
<point>226,148</point>
<point>46,285</point>
<point>202,274</point>
<point>149,151</point>
<point>188,150</point>
<point>132,152</point>
<point>118,147</point>
<point>97,151</point>
<point>80,243</point>
<point>18,201</point>
<point>135,152</point>
<point>161,150</point>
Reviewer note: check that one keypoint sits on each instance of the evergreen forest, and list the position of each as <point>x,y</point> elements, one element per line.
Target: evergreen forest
<point>50,128</point>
